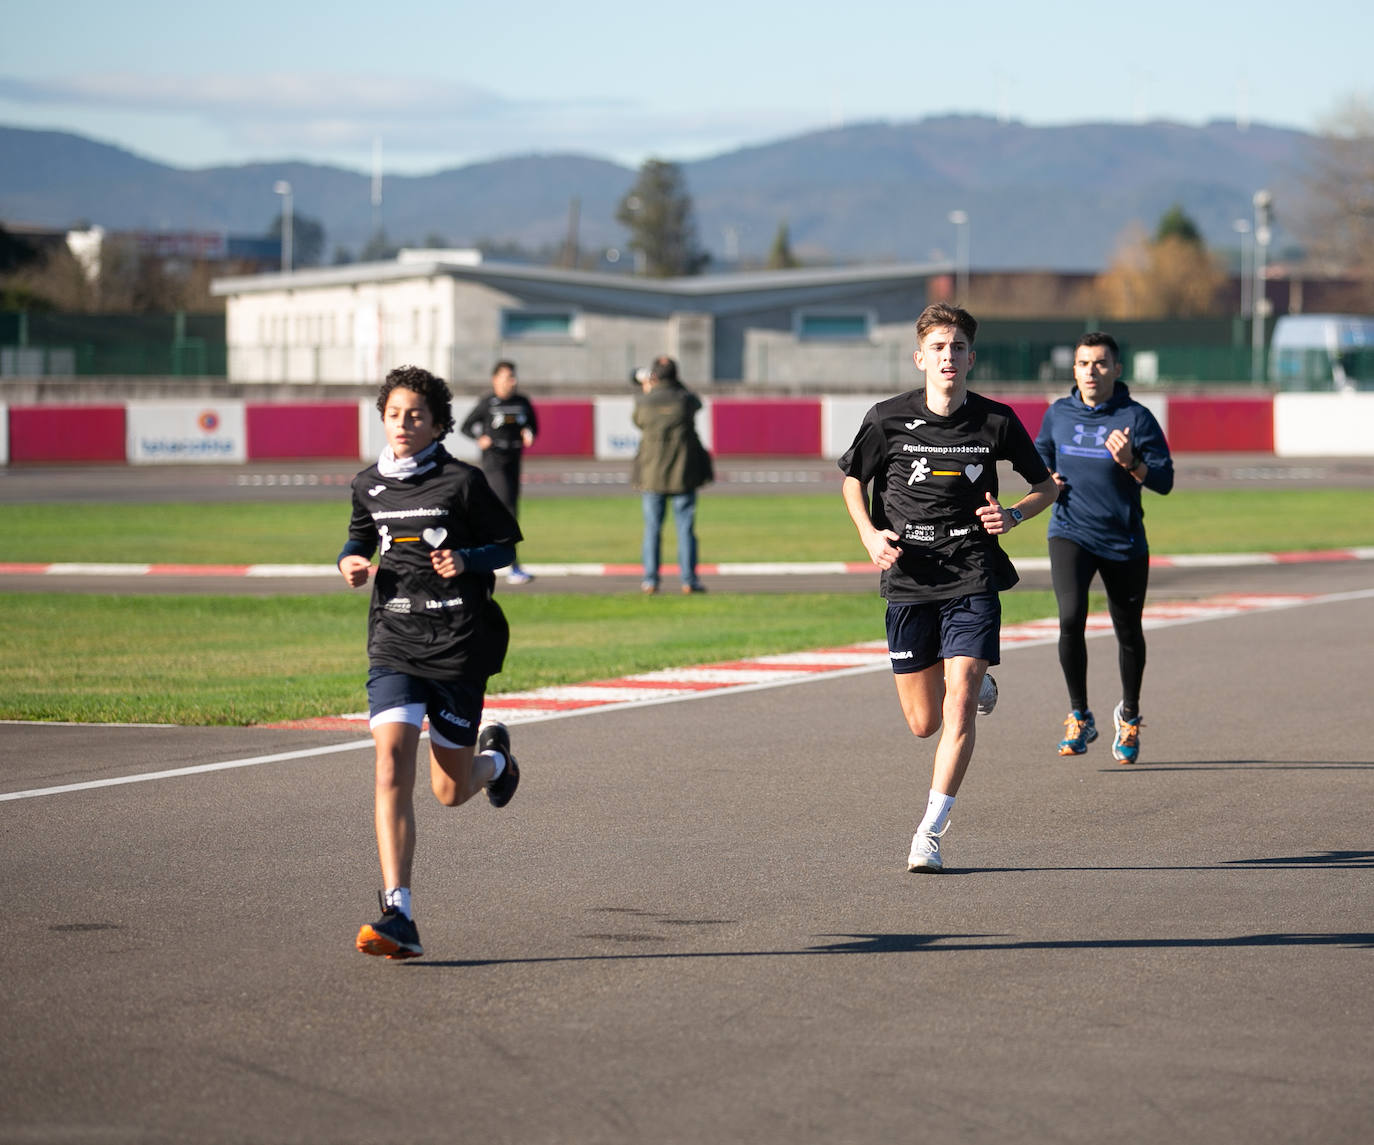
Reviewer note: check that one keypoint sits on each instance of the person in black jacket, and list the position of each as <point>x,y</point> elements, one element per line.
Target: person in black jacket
<point>504,425</point>
<point>434,633</point>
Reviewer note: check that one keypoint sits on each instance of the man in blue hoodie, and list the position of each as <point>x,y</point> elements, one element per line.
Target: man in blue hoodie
<point>1101,447</point>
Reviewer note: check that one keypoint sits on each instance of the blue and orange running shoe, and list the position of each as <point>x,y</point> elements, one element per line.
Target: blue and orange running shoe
<point>1079,731</point>
<point>1126,745</point>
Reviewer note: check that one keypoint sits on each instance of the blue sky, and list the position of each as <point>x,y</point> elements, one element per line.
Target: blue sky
<point>447,84</point>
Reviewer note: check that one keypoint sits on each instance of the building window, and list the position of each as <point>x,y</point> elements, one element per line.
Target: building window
<point>834,325</point>
<point>551,324</point>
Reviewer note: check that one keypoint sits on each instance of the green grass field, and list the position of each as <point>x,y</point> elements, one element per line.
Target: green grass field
<point>782,527</point>
<point>242,660</point>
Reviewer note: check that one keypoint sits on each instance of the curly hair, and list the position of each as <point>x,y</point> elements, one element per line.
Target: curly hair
<point>434,390</point>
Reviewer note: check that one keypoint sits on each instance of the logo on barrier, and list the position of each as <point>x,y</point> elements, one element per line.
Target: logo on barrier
<point>208,421</point>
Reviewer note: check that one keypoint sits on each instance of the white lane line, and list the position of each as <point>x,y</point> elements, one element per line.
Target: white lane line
<point>198,769</point>
<point>1034,633</point>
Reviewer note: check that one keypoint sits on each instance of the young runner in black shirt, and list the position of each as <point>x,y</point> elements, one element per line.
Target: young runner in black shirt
<point>930,456</point>
<point>504,425</point>
<point>434,632</point>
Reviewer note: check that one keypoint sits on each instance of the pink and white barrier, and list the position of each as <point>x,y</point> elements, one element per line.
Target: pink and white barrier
<point>185,432</point>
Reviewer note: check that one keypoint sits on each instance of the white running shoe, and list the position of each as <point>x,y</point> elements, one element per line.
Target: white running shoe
<point>517,575</point>
<point>925,852</point>
<point>987,695</point>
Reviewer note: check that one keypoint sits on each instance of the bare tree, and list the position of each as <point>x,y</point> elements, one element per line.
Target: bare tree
<point>1338,223</point>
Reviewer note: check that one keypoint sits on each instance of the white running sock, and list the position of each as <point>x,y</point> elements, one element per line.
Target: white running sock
<point>399,897</point>
<point>938,808</point>
<point>498,764</point>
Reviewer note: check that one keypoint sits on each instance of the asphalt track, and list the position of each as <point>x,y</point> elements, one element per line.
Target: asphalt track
<point>694,923</point>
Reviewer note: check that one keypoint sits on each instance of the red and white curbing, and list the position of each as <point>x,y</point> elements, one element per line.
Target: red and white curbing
<point>671,685</point>
<point>741,568</point>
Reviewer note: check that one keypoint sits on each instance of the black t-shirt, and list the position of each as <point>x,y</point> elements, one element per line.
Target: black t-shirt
<point>929,476</point>
<point>502,419</point>
<point>421,623</point>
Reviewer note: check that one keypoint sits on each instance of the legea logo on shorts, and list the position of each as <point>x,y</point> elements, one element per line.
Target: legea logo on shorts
<point>458,720</point>
<point>901,655</point>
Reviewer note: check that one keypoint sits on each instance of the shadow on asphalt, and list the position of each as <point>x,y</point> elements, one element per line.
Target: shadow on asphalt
<point>935,944</point>
<point>1243,765</point>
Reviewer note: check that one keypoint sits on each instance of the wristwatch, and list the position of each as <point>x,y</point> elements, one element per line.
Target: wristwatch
<point>1016,516</point>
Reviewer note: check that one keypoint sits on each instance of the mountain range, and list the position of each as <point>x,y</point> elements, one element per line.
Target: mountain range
<point>1058,198</point>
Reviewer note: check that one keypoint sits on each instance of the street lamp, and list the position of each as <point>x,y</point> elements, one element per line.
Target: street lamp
<point>1259,297</point>
<point>283,188</point>
<point>1242,228</point>
<point>960,221</point>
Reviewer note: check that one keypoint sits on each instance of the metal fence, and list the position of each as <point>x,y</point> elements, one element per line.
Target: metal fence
<point>42,344</point>
<point>194,345</point>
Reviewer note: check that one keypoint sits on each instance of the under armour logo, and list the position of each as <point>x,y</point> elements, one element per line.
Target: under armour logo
<point>1085,436</point>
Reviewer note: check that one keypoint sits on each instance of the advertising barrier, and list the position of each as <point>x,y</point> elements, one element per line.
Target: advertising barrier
<point>161,432</point>
<point>182,433</point>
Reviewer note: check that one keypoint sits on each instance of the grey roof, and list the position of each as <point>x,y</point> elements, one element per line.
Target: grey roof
<point>715,293</point>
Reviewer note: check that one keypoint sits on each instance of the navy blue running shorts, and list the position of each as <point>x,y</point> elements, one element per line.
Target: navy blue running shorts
<point>454,707</point>
<point>918,635</point>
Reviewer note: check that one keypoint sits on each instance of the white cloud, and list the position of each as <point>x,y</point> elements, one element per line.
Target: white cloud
<point>335,118</point>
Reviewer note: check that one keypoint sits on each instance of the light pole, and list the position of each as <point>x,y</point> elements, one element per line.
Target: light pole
<point>1242,228</point>
<point>1259,297</point>
<point>960,221</point>
<point>283,188</point>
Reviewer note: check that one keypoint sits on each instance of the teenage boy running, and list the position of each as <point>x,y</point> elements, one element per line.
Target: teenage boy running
<point>931,457</point>
<point>434,632</point>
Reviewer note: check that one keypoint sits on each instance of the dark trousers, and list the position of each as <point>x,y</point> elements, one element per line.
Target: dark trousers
<point>1072,568</point>
<point>502,469</point>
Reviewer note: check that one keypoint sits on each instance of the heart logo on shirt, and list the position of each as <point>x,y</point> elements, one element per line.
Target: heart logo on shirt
<point>973,472</point>
<point>434,537</point>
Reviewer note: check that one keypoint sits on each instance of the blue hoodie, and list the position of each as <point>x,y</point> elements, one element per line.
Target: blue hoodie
<point>1100,507</point>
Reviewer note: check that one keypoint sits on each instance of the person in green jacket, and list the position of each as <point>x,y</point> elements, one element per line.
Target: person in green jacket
<point>670,465</point>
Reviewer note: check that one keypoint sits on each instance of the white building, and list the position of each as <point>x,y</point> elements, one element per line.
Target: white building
<point>455,314</point>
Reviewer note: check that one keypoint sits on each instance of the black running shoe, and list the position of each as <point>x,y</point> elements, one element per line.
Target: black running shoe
<point>495,737</point>
<point>392,935</point>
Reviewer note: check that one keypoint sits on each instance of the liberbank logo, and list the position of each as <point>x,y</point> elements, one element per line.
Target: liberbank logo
<point>198,437</point>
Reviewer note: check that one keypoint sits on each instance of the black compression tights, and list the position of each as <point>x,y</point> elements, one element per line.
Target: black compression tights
<point>1072,568</point>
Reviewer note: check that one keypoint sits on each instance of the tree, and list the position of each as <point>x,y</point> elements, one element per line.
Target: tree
<point>307,239</point>
<point>1170,276</point>
<point>1174,224</point>
<point>780,256</point>
<point>378,248</point>
<point>657,211</point>
<point>1338,224</point>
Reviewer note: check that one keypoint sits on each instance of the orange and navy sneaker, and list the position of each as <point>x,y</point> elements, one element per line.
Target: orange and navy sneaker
<point>393,935</point>
<point>1126,745</point>
<point>1079,731</point>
